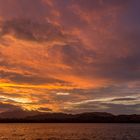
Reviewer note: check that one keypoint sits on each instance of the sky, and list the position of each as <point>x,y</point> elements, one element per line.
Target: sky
<point>70,56</point>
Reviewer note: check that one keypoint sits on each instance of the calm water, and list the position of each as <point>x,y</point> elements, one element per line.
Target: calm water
<point>69,131</point>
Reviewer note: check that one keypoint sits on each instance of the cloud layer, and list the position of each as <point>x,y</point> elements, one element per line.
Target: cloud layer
<point>70,56</point>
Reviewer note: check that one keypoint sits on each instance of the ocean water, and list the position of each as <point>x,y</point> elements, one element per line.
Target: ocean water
<point>69,131</point>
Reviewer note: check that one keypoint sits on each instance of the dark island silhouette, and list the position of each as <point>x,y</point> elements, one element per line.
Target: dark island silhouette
<point>21,116</point>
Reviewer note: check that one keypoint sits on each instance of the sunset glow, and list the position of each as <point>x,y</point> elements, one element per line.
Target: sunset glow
<point>70,55</point>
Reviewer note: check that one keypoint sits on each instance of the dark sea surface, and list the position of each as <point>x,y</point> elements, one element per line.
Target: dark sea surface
<point>69,131</point>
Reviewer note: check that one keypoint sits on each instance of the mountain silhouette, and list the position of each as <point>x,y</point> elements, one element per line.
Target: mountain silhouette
<point>89,117</point>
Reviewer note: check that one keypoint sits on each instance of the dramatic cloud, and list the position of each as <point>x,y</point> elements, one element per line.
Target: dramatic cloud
<point>8,107</point>
<point>68,55</point>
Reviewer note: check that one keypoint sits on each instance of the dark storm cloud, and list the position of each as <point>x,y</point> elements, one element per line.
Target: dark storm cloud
<point>8,107</point>
<point>109,64</point>
<point>126,67</point>
<point>122,109</point>
<point>44,109</point>
<point>100,4</point>
<point>34,9</point>
<point>125,99</point>
<point>107,92</point>
<point>108,107</point>
<point>69,10</point>
<point>28,78</point>
<point>74,55</point>
<point>27,29</point>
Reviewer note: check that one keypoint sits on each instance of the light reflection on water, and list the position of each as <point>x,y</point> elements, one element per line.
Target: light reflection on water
<point>69,131</point>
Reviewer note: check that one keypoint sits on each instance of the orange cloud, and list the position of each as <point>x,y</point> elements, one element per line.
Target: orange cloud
<point>82,49</point>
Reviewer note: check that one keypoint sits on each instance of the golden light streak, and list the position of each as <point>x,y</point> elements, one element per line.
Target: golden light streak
<point>35,86</point>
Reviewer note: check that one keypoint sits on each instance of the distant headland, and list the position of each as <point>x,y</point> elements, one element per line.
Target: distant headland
<point>89,117</point>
